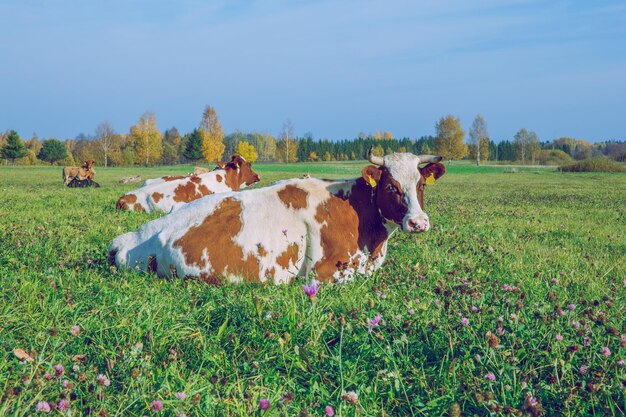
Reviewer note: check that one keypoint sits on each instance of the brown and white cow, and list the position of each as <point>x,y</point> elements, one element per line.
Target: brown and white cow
<point>332,229</point>
<point>172,192</point>
<point>84,172</point>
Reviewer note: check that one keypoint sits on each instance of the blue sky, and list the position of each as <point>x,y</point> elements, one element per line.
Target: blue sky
<point>334,68</point>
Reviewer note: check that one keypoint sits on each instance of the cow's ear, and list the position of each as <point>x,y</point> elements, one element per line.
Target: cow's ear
<point>432,172</point>
<point>237,160</point>
<point>371,175</point>
<point>221,164</point>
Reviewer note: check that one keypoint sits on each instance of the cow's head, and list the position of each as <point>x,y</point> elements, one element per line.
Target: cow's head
<point>398,184</point>
<point>88,164</point>
<point>239,173</point>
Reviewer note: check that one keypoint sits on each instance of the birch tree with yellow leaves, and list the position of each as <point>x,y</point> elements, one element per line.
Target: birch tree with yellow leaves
<point>247,151</point>
<point>147,140</point>
<point>450,136</point>
<point>212,136</point>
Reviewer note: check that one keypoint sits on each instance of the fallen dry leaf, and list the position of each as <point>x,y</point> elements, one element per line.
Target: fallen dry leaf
<point>79,358</point>
<point>22,355</point>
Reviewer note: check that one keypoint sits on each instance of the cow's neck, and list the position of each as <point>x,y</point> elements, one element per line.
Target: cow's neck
<point>372,229</point>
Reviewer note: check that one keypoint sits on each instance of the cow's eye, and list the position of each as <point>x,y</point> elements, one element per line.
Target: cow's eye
<point>393,190</point>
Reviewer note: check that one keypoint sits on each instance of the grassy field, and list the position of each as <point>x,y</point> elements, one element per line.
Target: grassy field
<point>513,303</point>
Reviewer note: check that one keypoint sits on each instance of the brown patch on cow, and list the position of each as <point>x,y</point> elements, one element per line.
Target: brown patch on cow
<point>290,255</point>
<point>185,193</point>
<point>387,193</point>
<point>188,191</point>
<point>138,208</point>
<point>293,197</point>
<point>196,179</point>
<point>261,250</point>
<point>157,197</point>
<point>219,178</point>
<point>372,231</point>
<point>270,272</point>
<point>125,201</point>
<point>152,263</point>
<point>172,178</point>
<point>204,190</point>
<point>339,235</point>
<point>213,239</point>
<point>350,222</point>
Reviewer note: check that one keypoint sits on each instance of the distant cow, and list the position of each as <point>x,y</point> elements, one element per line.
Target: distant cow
<point>196,171</point>
<point>171,192</point>
<point>203,170</point>
<point>87,182</point>
<point>333,229</point>
<point>83,172</point>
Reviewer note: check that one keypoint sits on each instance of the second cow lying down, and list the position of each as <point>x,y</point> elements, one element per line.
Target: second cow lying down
<point>294,227</point>
<point>170,193</point>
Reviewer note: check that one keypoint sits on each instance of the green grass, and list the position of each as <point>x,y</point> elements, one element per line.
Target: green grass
<point>553,239</point>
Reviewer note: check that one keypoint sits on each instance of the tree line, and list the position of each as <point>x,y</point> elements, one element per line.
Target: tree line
<point>146,145</point>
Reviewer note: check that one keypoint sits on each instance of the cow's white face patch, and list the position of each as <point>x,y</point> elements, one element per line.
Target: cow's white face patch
<point>403,169</point>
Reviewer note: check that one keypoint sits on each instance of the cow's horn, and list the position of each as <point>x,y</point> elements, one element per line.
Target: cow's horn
<point>426,159</point>
<point>376,160</point>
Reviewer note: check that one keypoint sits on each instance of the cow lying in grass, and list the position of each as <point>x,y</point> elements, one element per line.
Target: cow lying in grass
<point>172,192</point>
<point>88,182</point>
<point>333,229</point>
<point>83,172</point>
<point>196,171</point>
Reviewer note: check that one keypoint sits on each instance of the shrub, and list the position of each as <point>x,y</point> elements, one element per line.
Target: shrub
<point>553,157</point>
<point>599,164</point>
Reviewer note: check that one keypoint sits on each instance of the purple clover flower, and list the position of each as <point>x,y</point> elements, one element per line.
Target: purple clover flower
<point>63,405</point>
<point>311,289</point>
<point>43,407</point>
<point>264,404</point>
<point>374,322</point>
<point>103,380</point>
<point>157,406</point>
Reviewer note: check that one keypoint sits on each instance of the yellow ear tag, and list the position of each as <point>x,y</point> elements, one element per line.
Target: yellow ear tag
<point>430,179</point>
<point>372,181</point>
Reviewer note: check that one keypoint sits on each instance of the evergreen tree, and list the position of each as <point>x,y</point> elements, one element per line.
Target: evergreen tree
<point>193,145</point>
<point>14,148</point>
<point>52,150</point>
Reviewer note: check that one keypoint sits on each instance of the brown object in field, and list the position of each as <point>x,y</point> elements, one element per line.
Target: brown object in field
<point>128,180</point>
<point>83,172</point>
